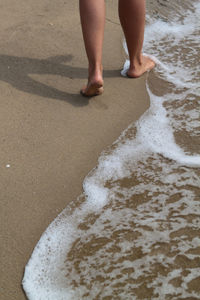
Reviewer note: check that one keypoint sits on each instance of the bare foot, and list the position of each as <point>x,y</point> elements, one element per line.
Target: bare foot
<point>146,65</point>
<point>93,88</point>
<point>95,83</point>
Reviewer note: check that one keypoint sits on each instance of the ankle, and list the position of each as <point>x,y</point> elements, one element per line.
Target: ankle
<point>95,68</point>
<point>136,62</point>
<point>95,73</point>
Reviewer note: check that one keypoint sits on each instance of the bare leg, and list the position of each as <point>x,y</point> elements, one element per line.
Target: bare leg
<point>132,18</point>
<point>92,14</point>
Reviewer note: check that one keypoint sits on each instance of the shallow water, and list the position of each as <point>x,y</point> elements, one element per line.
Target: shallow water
<point>135,232</point>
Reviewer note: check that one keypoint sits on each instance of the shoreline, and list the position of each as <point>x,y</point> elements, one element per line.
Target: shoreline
<point>52,136</point>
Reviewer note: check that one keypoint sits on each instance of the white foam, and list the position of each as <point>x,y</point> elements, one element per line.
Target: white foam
<point>155,132</point>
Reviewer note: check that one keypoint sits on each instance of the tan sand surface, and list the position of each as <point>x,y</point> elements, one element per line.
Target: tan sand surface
<point>51,136</point>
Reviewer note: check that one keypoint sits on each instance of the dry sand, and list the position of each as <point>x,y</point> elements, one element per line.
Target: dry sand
<point>51,137</point>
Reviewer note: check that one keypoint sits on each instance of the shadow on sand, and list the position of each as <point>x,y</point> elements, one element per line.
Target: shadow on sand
<point>17,70</point>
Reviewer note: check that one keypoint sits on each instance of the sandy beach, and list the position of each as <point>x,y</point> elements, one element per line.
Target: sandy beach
<point>51,136</point>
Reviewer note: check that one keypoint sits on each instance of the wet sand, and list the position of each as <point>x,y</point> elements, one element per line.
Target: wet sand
<point>51,136</point>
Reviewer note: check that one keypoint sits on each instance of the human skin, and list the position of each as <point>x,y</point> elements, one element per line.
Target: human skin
<point>132,18</point>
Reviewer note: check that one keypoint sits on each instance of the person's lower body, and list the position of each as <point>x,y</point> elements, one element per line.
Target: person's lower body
<point>132,18</point>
